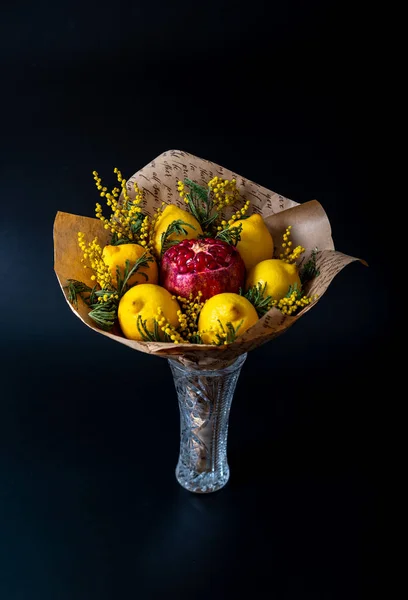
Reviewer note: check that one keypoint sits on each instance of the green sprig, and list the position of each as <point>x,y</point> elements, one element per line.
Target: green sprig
<point>78,288</point>
<point>295,288</point>
<point>200,203</point>
<point>117,241</point>
<point>146,334</point>
<point>231,235</point>
<point>195,338</point>
<point>122,281</point>
<point>105,313</point>
<point>230,333</point>
<point>309,270</point>
<point>134,226</point>
<point>177,227</point>
<point>257,296</point>
<point>136,223</point>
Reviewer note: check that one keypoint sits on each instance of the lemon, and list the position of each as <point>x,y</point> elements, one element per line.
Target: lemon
<point>278,276</point>
<point>173,213</point>
<point>116,256</point>
<point>225,308</point>
<point>145,300</point>
<point>256,243</point>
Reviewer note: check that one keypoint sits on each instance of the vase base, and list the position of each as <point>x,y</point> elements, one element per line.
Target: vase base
<point>201,483</point>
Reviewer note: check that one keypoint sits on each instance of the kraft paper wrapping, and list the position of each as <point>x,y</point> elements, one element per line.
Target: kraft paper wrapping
<point>158,180</point>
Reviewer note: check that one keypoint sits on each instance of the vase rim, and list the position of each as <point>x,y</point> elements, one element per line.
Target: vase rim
<point>233,366</point>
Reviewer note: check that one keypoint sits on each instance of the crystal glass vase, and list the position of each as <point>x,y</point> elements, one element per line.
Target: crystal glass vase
<point>204,400</point>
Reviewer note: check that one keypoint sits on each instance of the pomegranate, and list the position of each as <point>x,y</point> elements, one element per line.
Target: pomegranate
<point>207,265</point>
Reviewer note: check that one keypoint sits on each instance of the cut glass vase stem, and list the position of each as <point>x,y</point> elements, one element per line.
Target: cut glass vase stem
<point>204,401</point>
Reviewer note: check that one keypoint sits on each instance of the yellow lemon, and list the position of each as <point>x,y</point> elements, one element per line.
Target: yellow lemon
<point>144,300</point>
<point>256,242</point>
<point>225,308</point>
<point>173,213</point>
<point>278,276</point>
<point>116,256</point>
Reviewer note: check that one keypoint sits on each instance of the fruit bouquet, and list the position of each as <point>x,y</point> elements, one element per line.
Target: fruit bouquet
<point>189,261</point>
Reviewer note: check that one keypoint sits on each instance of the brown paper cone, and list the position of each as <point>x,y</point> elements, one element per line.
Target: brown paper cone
<point>158,180</point>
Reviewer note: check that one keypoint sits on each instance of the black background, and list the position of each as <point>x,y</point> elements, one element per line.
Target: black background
<point>281,93</point>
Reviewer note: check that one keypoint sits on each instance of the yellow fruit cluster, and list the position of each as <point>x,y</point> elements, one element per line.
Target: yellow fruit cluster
<point>147,311</point>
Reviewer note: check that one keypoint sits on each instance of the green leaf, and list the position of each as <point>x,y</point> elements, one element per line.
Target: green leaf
<point>122,281</point>
<point>199,191</point>
<point>136,226</point>
<point>177,227</point>
<point>258,298</point>
<point>199,202</point>
<point>193,208</point>
<point>117,241</point>
<point>147,335</point>
<point>208,222</point>
<point>233,331</point>
<point>77,288</point>
<point>230,333</point>
<point>104,314</point>
<point>294,288</point>
<point>195,338</point>
<point>231,235</point>
<point>92,295</point>
<point>309,270</point>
